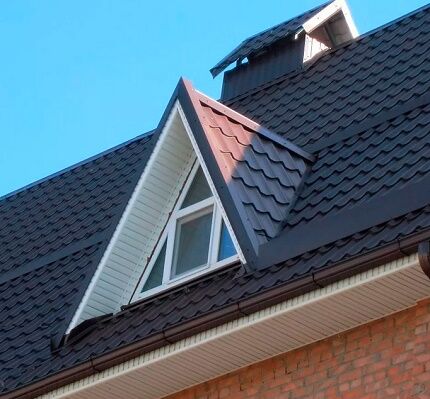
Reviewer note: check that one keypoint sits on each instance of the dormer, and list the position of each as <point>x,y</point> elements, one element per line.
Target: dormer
<point>285,48</point>
<point>216,187</point>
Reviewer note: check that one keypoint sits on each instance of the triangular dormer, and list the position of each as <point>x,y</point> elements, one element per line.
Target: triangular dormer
<point>215,188</point>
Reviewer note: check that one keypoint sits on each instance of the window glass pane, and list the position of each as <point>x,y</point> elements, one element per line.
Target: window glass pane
<point>155,278</point>
<point>226,247</point>
<point>198,191</point>
<point>192,243</point>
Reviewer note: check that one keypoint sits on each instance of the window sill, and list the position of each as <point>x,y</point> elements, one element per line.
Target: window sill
<point>178,280</point>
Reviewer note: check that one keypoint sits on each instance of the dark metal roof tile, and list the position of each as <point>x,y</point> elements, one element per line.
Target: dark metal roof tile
<point>346,85</point>
<point>264,39</point>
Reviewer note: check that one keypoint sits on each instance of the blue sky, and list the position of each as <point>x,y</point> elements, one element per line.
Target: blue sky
<point>78,77</point>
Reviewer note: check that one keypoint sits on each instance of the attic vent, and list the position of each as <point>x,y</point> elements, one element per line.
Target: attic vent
<point>285,47</point>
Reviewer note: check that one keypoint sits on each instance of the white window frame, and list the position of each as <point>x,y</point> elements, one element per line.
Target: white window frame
<point>168,237</point>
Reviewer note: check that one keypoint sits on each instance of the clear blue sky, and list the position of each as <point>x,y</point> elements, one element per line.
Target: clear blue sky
<point>78,77</point>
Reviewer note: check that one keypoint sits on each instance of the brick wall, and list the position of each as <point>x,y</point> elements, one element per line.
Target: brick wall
<point>388,358</point>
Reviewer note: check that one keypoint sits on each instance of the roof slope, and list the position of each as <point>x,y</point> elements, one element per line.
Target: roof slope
<point>264,39</point>
<point>363,109</point>
<point>261,170</point>
<point>36,308</point>
<point>346,86</point>
<point>53,236</point>
<point>65,223</point>
<point>387,157</point>
<point>148,319</point>
<point>71,206</point>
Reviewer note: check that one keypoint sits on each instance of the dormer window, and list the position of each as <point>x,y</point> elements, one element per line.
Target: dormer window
<point>195,240</point>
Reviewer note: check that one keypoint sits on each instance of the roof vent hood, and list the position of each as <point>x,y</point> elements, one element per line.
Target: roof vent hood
<point>285,47</point>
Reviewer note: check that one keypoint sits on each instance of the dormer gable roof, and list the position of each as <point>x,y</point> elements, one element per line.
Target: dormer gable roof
<point>252,172</point>
<point>255,169</point>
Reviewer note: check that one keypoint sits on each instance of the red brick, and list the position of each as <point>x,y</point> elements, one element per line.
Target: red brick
<point>389,359</point>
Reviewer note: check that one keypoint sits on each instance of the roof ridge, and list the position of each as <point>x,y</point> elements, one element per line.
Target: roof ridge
<point>325,54</point>
<point>75,165</point>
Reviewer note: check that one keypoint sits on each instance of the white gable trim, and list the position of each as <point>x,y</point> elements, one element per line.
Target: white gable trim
<point>130,249</point>
<point>118,229</point>
<point>327,12</point>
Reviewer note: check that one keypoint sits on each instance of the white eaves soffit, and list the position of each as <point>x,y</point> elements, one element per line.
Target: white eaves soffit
<point>145,220</point>
<point>277,329</point>
<point>330,27</point>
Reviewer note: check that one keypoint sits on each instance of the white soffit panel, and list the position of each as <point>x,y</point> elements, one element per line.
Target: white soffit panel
<point>280,328</point>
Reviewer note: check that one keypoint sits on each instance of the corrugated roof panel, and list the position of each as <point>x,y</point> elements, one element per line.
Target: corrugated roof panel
<point>71,206</point>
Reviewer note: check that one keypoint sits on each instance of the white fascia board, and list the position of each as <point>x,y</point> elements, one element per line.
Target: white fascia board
<point>327,12</point>
<point>118,229</point>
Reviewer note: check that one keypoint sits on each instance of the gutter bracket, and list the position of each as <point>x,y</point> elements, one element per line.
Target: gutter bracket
<point>401,250</point>
<point>424,257</point>
<point>317,283</point>
<point>93,366</point>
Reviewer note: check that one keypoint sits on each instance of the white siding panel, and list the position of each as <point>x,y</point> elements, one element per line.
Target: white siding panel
<point>145,217</point>
<point>114,275</point>
<point>312,48</point>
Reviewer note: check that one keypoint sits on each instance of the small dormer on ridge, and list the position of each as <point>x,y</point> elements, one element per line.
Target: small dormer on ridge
<point>285,48</point>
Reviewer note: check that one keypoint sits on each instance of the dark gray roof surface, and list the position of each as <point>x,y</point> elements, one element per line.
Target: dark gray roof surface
<point>388,157</point>
<point>72,206</point>
<point>52,237</point>
<point>346,86</point>
<point>374,80</point>
<point>261,172</point>
<point>35,307</point>
<point>264,39</point>
<point>211,294</point>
